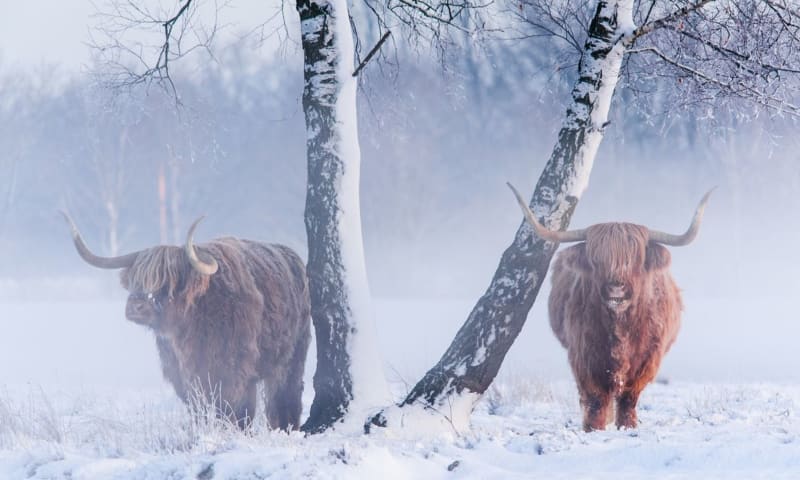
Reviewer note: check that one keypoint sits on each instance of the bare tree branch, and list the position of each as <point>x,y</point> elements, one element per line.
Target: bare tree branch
<point>664,21</point>
<point>439,23</point>
<point>738,58</point>
<point>649,11</point>
<point>740,89</point>
<point>163,56</point>
<point>372,53</point>
<point>123,50</point>
<point>743,50</point>
<point>563,20</point>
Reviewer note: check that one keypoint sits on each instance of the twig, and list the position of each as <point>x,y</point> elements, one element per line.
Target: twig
<point>372,53</point>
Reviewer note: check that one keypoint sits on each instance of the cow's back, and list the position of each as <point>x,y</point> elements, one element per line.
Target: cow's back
<point>280,275</point>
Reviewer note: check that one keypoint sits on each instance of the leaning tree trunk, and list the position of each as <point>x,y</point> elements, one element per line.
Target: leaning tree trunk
<point>349,375</point>
<point>474,357</point>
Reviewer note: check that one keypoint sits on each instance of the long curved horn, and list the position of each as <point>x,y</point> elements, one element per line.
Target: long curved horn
<point>687,237</point>
<point>122,261</point>
<point>542,231</point>
<point>201,267</point>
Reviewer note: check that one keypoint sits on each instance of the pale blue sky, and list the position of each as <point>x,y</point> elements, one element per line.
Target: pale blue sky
<point>37,32</point>
<point>33,32</point>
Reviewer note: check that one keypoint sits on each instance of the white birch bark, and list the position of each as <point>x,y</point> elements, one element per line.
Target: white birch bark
<point>349,377</point>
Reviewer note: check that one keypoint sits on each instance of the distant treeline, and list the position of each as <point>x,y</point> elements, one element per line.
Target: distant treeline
<point>437,147</point>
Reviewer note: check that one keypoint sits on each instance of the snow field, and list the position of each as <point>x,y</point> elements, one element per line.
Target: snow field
<point>81,398</point>
<point>522,428</point>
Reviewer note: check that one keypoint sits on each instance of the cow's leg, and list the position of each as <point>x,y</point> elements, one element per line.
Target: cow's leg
<point>293,388</point>
<point>629,397</point>
<point>284,405</point>
<point>596,408</point>
<point>626,408</point>
<point>170,367</point>
<point>284,392</point>
<point>246,407</point>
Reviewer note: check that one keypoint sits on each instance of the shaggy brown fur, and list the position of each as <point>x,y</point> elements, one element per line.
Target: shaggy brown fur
<point>616,309</point>
<point>219,335</point>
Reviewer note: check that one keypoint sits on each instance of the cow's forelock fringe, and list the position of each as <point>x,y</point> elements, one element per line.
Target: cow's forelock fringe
<point>165,267</point>
<point>619,249</point>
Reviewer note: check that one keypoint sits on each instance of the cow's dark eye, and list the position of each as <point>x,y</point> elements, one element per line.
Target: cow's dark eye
<point>155,299</point>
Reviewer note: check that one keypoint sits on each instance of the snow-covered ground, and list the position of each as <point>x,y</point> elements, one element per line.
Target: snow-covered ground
<point>81,397</point>
<point>522,429</point>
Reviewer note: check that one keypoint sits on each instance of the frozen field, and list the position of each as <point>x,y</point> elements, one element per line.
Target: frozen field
<point>523,429</point>
<point>81,397</point>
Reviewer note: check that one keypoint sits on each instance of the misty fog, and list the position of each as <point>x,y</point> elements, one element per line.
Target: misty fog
<point>437,147</point>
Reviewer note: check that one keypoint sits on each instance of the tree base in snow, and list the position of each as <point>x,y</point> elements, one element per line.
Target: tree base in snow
<point>377,420</point>
<point>417,420</point>
<point>320,421</point>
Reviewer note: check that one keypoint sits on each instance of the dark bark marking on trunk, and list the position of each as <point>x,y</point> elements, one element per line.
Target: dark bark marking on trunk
<point>330,308</point>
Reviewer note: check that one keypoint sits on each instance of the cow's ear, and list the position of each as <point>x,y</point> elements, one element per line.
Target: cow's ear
<point>575,258</point>
<point>124,279</point>
<point>657,257</point>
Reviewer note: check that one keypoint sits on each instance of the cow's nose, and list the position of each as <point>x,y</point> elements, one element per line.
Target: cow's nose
<point>615,290</point>
<point>134,308</point>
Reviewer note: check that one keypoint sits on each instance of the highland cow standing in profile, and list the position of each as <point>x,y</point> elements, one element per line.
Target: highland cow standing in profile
<point>616,309</point>
<point>226,314</point>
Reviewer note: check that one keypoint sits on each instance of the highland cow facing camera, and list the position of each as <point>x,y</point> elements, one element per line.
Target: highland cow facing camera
<point>224,322</point>
<point>616,309</point>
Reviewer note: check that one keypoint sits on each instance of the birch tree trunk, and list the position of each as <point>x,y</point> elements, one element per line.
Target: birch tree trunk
<point>473,359</point>
<point>349,377</point>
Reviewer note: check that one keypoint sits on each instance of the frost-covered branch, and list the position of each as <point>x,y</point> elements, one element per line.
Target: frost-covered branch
<point>664,21</point>
<point>746,51</point>
<point>742,90</point>
<point>699,52</point>
<point>691,71</point>
<point>434,21</point>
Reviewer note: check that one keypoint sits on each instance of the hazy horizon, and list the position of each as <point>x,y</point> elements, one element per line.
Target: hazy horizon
<point>437,149</point>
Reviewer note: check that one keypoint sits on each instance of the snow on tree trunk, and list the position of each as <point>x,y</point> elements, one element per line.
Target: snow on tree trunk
<point>349,377</point>
<point>472,361</point>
